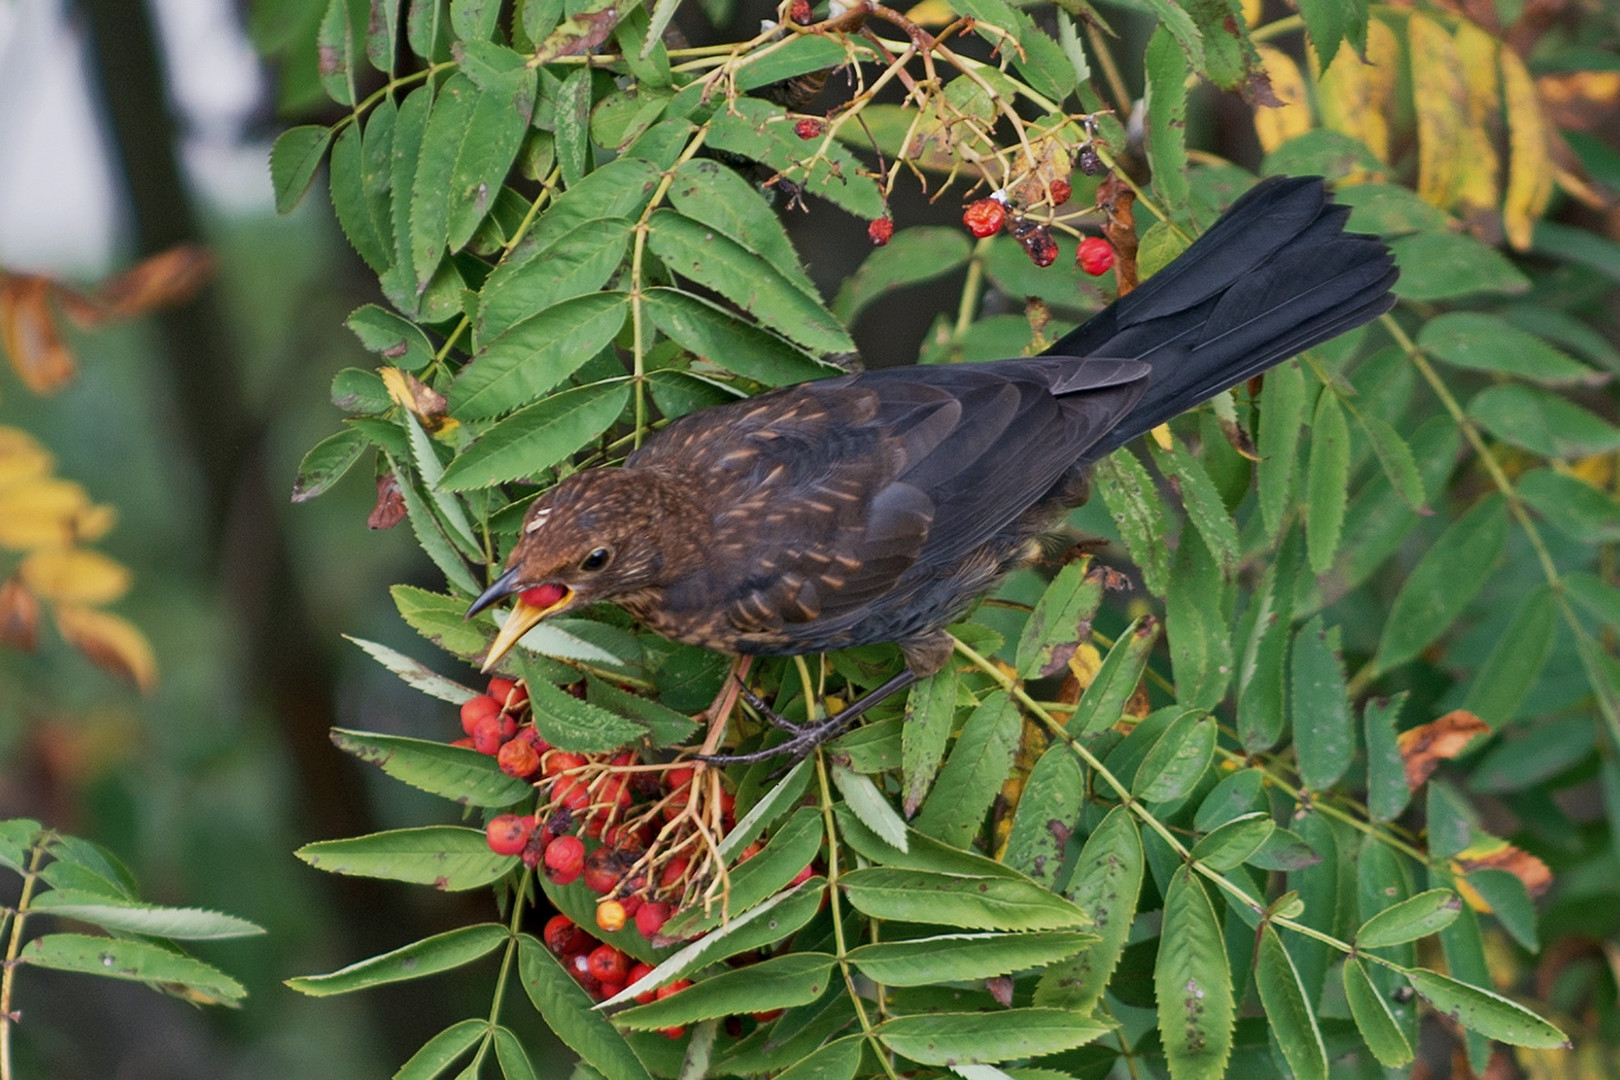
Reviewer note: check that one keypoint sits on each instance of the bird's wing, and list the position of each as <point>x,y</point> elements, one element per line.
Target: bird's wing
<point>829,492</point>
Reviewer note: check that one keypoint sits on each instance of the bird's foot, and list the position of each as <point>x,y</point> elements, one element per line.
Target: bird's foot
<point>802,738</point>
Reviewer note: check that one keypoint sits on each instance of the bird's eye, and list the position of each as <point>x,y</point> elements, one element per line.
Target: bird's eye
<point>595,560</point>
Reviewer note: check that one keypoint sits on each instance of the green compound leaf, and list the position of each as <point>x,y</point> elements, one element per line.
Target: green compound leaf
<point>948,1038</point>
<point>780,982</point>
<point>1289,1012</point>
<point>1488,1013</point>
<point>972,903</point>
<point>294,158</point>
<point>1373,1019</point>
<point>453,772</point>
<point>136,961</point>
<point>955,957</point>
<point>1416,917</point>
<point>1106,883</point>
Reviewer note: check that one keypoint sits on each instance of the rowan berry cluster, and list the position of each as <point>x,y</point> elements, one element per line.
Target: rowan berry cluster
<point>602,970</point>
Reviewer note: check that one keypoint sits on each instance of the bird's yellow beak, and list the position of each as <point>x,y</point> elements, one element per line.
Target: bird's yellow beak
<point>523,618</point>
<point>532,605</point>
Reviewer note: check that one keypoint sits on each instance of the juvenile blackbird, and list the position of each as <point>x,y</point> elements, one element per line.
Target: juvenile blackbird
<point>878,506</point>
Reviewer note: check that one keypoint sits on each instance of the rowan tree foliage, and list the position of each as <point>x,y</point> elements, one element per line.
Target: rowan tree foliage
<point>1305,767</point>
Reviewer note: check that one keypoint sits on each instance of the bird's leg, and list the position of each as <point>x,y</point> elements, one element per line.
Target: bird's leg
<point>719,711</point>
<point>806,737</point>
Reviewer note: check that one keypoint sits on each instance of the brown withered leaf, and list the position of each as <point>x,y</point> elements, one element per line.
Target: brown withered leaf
<point>1581,100</point>
<point>162,280</point>
<point>581,32</point>
<point>110,642</point>
<point>1115,199</point>
<point>1501,855</point>
<point>30,335</point>
<point>1425,746</point>
<point>425,403</point>
<point>390,508</point>
<point>19,616</point>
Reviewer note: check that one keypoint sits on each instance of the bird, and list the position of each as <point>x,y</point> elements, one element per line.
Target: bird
<point>879,506</point>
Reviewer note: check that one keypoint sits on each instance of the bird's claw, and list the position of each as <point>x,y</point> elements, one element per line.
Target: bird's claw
<point>802,738</point>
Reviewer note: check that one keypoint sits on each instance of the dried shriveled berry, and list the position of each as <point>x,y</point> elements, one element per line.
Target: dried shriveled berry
<point>563,937</point>
<point>1090,163</point>
<point>1061,190</point>
<point>799,12</point>
<point>602,870</point>
<point>985,217</point>
<point>610,915</point>
<point>476,709</point>
<point>1095,256</point>
<point>880,231</point>
<point>508,834</point>
<point>1038,243</point>
<point>565,859</point>
<point>809,127</point>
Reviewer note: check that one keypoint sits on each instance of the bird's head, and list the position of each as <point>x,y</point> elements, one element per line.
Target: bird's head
<point>592,537</point>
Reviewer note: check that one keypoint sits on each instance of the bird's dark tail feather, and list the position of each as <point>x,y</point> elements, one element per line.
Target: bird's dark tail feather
<point>1274,276</point>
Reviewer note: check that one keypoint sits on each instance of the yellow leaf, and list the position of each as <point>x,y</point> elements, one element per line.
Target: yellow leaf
<point>1251,12</point>
<point>1497,854</point>
<point>1084,664</point>
<point>1530,165</point>
<point>111,643</point>
<point>1440,99</point>
<point>74,576</point>
<point>1276,126</point>
<point>1479,170</point>
<point>40,512</point>
<point>22,457</point>
<point>1356,96</point>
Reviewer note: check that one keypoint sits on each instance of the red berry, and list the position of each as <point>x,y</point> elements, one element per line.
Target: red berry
<point>518,758</point>
<point>565,859</point>
<point>610,915</point>
<point>1061,190</point>
<point>880,231</point>
<point>804,875</point>
<point>478,708</point>
<point>672,988</point>
<point>766,1017</point>
<point>799,12</point>
<point>637,973</point>
<point>672,1032</point>
<point>611,989</point>
<point>486,736</point>
<point>1038,243</point>
<point>809,127</point>
<point>509,834</point>
<point>559,761</point>
<point>463,741</point>
<point>984,217</point>
<point>543,596</point>
<point>580,968</point>
<point>674,873</point>
<point>651,918</point>
<point>609,964</point>
<point>750,851</point>
<point>562,937</point>
<point>1095,256</point>
<point>570,791</point>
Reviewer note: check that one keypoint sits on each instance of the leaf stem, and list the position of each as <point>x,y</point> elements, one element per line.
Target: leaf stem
<point>8,971</point>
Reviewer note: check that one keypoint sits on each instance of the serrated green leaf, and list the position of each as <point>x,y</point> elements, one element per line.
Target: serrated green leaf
<point>947,1038</point>
<point>1577,509</point>
<point>136,961</point>
<point>838,1060</point>
<point>979,762</point>
<point>150,920</point>
<point>1443,265</point>
<point>1510,902</point>
<point>1262,694</point>
<point>1486,1012</point>
<point>1133,502</point>
<point>575,263</point>
<point>1477,341</point>
<point>405,146</point>
<point>334,42</point>
<point>922,852</point>
<point>868,803</point>
<point>1416,917</point>
<point>1327,484</point>
<point>430,200</point>
<point>576,725</point>
<point>538,436</point>
<point>416,675</point>
<point>968,902</point>
<point>1047,810</point>
<point>1542,422</point>
<point>1378,1028</point>
<point>296,155</point>
<point>430,532</point>
<point>1231,844</point>
<point>789,851</point>
<point>1193,983</point>
<point>776,800</point>
<point>453,772</point>
<point>449,514</point>
<point>495,131</point>
<point>327,462</point>
<point>1288,1011</point>
<point>534,355</point>
<point>440,1052</point>
<point>1061,620</point>
<point>1197,620</point>
<point>568,1011</point>
<point>366,230</point>
<point>1516,662</point>
<point>713,194</point>
<point>1166,102</point>
<point>1203,503</point>
<point>1238,795</point>
<point>912,257</point>
<point>447,857</point>
<point>710,258</point>
<point>512,1058</point>
<point>719,338</point>
<point>929,718</point>
<point>1106,883</point>
<point>440,619</point>
<point>1178,759</point>
<point>398,341</point>
<point>1395,458</point>
<point>782,981</point>
<point>1324,733</point>
<point>957,957</point>
<point>1103,702</point>
<point>431,955</point>
<point>1282,413</point>
<point>16,836</point>
<point>764,132</point>
<point>1387,792</point>
<point>1450,574</point>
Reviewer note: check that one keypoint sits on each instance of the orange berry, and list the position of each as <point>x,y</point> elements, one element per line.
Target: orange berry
<point>610,915</point>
